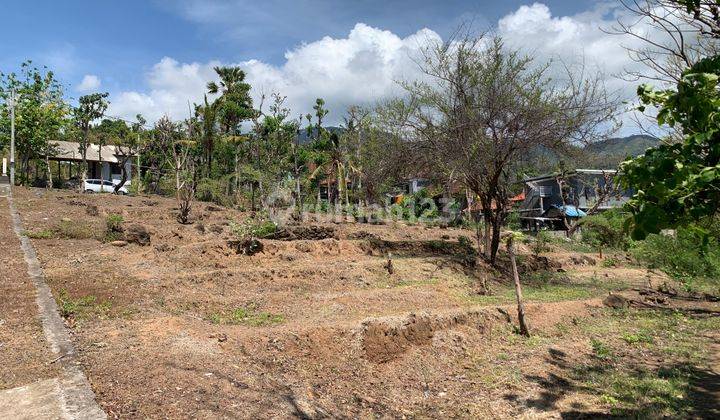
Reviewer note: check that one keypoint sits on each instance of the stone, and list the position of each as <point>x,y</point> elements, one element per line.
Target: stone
<point>119,243</point>
<point>137,234</point>
<point>616,301</point>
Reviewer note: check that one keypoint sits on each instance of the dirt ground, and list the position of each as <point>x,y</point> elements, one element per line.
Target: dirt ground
<point>24,353</point>
<point>186,327</point>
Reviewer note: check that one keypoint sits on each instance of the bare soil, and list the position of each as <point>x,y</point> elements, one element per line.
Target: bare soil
<point>314,326</point>
<point>24,354</point>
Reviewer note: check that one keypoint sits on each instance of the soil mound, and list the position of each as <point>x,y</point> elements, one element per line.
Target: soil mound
<point>385,340</point>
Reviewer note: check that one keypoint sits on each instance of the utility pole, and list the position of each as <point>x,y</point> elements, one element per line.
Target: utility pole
<point>11,103</point>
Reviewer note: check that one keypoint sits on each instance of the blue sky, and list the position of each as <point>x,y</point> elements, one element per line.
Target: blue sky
<point>151,55</point>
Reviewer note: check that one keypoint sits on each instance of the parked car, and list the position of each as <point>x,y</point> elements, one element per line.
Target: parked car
<point>100,185</point>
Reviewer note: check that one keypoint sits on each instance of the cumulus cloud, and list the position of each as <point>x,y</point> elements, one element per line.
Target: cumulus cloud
<point>359,69</point>
<point>89,83</point>
<point>571,39</point>
<point>366,65</point>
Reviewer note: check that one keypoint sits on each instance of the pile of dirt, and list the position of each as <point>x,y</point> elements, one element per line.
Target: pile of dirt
<point>362,234</point>
<point>385,340</point>
<point>376,246</point>
<point>309,232</point>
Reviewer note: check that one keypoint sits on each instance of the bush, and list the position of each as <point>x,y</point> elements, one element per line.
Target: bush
<point>113,222</point>
<point>75,230</point>
<point>605,230</point>
<point>253,227</point>
<point>40,234</point>
<point>214,191</point>
<point>683,256</point>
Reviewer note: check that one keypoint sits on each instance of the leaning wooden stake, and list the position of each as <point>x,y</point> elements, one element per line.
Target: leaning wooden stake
<point>518,291</point>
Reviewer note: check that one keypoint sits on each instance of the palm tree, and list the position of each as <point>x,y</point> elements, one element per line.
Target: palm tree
<point>231,80</point>
<point>234,104</point>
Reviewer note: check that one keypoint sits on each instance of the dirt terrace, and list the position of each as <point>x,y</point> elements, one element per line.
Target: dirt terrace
<point>185,327</point>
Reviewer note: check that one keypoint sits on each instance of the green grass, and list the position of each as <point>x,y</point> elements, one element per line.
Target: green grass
<point>631,384</point>
<point>40,234</point>
<point>247,315</point>
<point>66,229</point>
<point>81,307</point>
<point>542,293</point>
<point>75,230</point>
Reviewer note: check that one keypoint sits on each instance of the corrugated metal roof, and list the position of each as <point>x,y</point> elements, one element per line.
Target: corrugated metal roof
<point>68,150</point>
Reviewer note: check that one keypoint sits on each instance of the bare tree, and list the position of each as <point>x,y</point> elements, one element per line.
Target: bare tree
<point>485,107</point>
<point>175,148</point>
<point>674,34</point>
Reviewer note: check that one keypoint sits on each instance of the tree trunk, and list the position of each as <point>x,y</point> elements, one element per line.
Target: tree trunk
<point>495,242</point>
<point>252,196</point>
<point>488,238</point>
<point>49,172</point>
<point>84,169</point>
<point>123,176</point>
<point>518,290</point>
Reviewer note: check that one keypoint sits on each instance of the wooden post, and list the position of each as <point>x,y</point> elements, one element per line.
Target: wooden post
<point>518,291</point>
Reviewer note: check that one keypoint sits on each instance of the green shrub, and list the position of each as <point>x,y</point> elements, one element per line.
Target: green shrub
<point>541,242</point>
<point>605,230</point>
<point>684,256</point>
<point>40,234</point>
<point>113,222</point>
<point>214,191</point>
<point>513,220</point>
<point>257,227</point>
<point>75,230</point>
<point>464,241</point>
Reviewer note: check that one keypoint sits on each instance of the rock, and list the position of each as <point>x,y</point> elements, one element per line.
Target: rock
<point>92,210</point>
<point>163,248</point>
<point>118,243</point>
<point>65,220</point>
<point>250,246</point>
<point>217,229</point>
<point>583,260</point>
<point>137,234</point>
<point>616,302</point>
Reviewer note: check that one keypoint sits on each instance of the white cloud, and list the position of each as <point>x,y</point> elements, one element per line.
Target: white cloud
<point>366,65</point>
<point>89,83</point>
<point>359,69</point>
<point>569,38</point>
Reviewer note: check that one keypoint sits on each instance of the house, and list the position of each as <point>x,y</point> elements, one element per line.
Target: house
<point>104,162</point>
<point>544,206</point>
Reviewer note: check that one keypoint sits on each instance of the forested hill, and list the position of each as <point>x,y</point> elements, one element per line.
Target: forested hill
<point>609,153</point>
<point>625,146</point>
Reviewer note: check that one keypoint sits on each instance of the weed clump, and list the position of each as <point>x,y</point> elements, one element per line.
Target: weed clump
<point>40,234</point>
<point>113,227</point>
<point>248,233</point>
<point>81,307</point>
<point>68,229</point>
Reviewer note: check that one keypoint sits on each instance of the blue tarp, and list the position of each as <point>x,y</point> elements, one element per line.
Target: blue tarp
<point>571,211</point>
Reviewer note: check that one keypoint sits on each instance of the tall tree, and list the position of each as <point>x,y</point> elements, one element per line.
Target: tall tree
<point>90,108</point>
<point>41,114</point>
<point>234,105</point>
